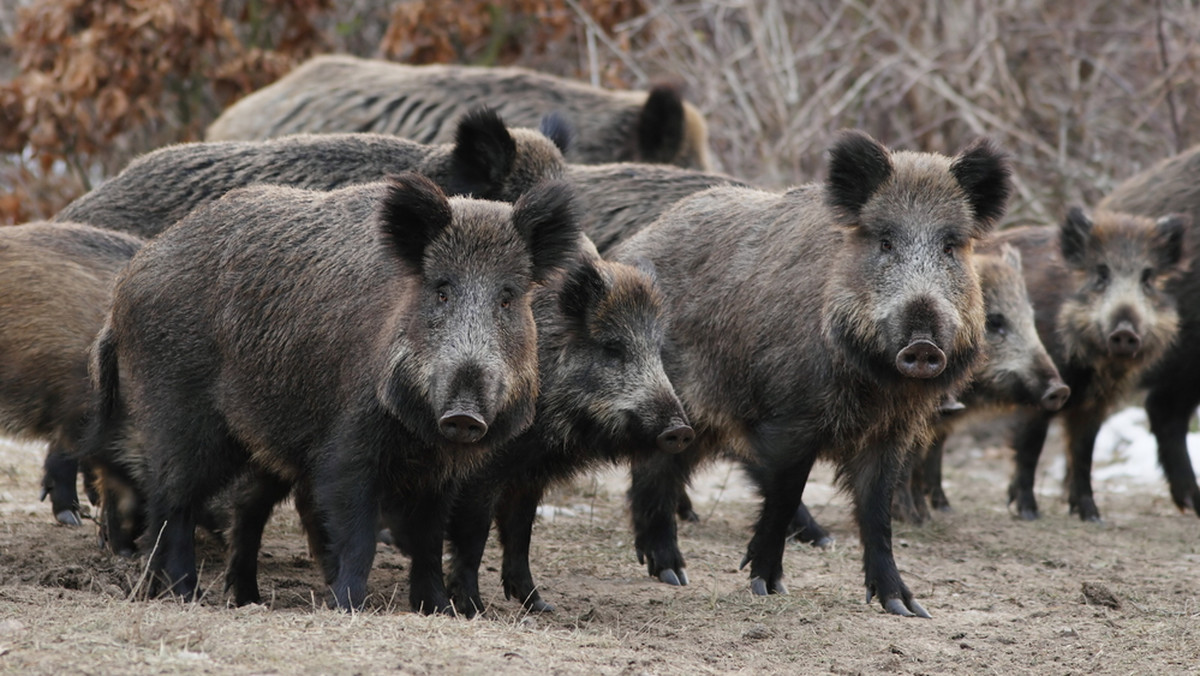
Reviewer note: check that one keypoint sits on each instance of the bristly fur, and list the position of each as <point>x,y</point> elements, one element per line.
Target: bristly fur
<point>548,215</point>
<point>985,174</point>
<point>660,127</point>
<point>484,151</point>
<point>556,127</point>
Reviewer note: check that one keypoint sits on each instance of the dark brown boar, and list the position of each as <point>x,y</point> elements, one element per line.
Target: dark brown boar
<point>484,160</point>
<point>1015,371</point>
<point>55,288</point>
<point>829,321</point>
<point>604,397</point>
<point>367,345</point>
<point>1170,186</point>
<point>339,93</point>
<point>1100,290</point>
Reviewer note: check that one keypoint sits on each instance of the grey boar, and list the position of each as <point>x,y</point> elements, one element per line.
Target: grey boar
<point>604,397</point>
<point>1100,288</point>
<point>339,93</point>
<point>484,160</point>
<point>829,321</point>
<point>1016,371</point>
<point>368,346</point>
<point>55,288</point>
<point>1168,187</point>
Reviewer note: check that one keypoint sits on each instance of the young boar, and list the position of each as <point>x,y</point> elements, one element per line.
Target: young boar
<point>485,160</point>
<point>369,345</point>
<point>339,93</point>
<point>55,288</point>
<point>829,321</point>
<point>1174,382</point>
<point>1101,291</point>
<point>1016,371</point>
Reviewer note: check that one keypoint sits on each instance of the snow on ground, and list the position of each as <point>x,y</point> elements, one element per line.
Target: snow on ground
<point>1126,453</point>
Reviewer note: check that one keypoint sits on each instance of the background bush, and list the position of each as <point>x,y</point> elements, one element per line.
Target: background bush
<point>1081,93</point>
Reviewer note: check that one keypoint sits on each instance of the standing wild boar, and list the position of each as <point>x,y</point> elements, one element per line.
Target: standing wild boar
<point>368,345</point>
<point>1015,371</point>
<point>55,288</point>
<point>603,397</point>
<point>1171,186</point>
<point>1105,314</point>
<point>829,321</point>
<point>339,93</point>
<point>485,160</point>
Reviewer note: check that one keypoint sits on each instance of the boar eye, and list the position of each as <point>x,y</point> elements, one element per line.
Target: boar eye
<point>885,245</point>
<point>1102,273</point>
<point>1147,275</point>
<point>996,324</point>
<point>443,293</point>
<point>614,350</point>
<point>505,300</point>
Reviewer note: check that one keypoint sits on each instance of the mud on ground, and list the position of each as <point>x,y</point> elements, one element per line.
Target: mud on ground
<point>1056,596</point>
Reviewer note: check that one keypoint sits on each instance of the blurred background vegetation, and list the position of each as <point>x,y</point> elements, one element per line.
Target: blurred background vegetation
<point>1081,93</point>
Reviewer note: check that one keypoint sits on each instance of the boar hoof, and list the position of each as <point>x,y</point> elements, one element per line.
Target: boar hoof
<point>913,609</point>
<point>537,605</point>
<point>689,516</point>
<point>69,517</point>
<point>759,587</point>
<point>672,578</point>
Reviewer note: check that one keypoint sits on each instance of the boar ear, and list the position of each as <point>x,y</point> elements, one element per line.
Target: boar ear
<point>1171,231</point>
<point>556,128</point>
<point>484,153</point>
<point>1073,236</point>
<point>583,289</point>
<point>413,213</point>
<point>547,220</point>
<point>984,173</point>
<point>858,165</point>
<point>660,129</point>
<point>1011,256</point>
<point>646,267</point>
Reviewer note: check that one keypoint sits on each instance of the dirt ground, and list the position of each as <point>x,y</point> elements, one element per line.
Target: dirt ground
<point>1006,596</point>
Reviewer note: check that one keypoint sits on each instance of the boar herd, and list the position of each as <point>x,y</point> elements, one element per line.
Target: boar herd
<point>367,292</point>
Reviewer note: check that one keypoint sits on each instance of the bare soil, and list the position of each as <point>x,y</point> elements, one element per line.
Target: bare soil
<point>1054,596</point>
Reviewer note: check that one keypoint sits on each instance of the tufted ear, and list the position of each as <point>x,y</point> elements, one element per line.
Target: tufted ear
<point>858,165</point>
<point>1171,231</point>
<point>557,128</point>
<point>1073,237</point>
<point>660,130</point>
<point>547,219</point>
<point>413,213</point>
<point>582,290</point>
<point>483,155</point>
<point>984,173</point>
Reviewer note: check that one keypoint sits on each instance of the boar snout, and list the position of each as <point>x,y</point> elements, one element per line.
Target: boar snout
<point>1056,395</point>
<point>676,437</point>
<point>462,426</point>
<point>921,359</point>
<point>1124,340</point>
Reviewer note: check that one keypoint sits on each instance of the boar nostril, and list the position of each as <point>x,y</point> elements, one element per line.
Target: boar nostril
<point>1056,397</point>
<point>675,438</point>
<point>463,427</point>
<point>921,359</point>
<point>1124,342</point>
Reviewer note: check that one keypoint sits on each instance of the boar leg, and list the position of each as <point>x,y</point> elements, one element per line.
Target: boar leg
<point>1031,426</point>
<point>908,498</point>
<point>1082,424</point>
<point>515,513</point>
<point>803,528</point>
<point>931,471</point>
<point>252,509</point>
<point>345,500</point>
<point>781,489</point>
<point>685,510</point>
<point>658,482</point>
<point>874,477</point>
<point>422,514</point>
<point>173,551</point>
<point>467,532</point>
<point>58,482</point>
<point>1170,412</point>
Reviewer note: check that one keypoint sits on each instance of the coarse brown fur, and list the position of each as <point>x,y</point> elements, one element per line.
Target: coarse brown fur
<point>1094,282</point>
<point>339,93</point>
<point>484,159</point>
<point>55,289</point>
<point>791,317</point>
<point>333,341</point>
